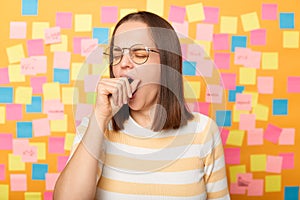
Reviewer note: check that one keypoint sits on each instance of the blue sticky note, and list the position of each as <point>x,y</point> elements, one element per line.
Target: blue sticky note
<point>291,193</point>
<point>24,129</point>
<point>101,34</point>
<point>280,106</point>
<point>30,7</point>
<point>287,20</point>
<point>6,94</point>
<point>223,117</point>
<point>238,41</point>
<point>61,76</point>
<point>232,93</point>
<point>189,68</point>
<point>35,106</point>
<point>239,89</point>
<point>39,171</point>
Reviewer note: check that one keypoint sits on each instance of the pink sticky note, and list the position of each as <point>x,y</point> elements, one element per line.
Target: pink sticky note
<point>204,32</point>
<point>83,110</point>
<point>254,59</point>
<point>64,20</point>
<point>182,29</point>
<point>214,94</point>
<point>211,14</point>
<point>34,65</point>
<point>35,47</point>
<point>241,55</point>
<point>177,14</point>
<point>88,46</point>
<point>2,172</point>
<point>202,107</point>
<point>17,30</point>
<point>37,84</point>
<point>204,68</point>
<point>96,56</point>
<point>29,154</point>
<point>228,81</point>
<point>48,195</point>
<point>269,11</point>
<point>287,136</point>
<point>195,52</point>
<point>19,145</point>
<point>243,101</point>
<point>224,135</point>
<point>90,83</point>
<point>274,164</point>
<point>265,85</point>
<point>56,145</point>
<point>258,37</point>
<point>51,179</point>
<point>77,44</point>
<point>109,14</point>
<point>54,109</point>
<point>4,78</point>
<point>52,35</point>
<point>61,162</point>
<point>272,133</point>
<point>287,160</point>
<point>244,180</point>
<point>236,189</point>
<point>247,122</point>
<point>18,182</point>
<point>222,60</point>
<point>5,141</point>
<point>184,50</point>
<point>256,187</point>
<point>14,112</point>
<point>62,60</point>
<point>221,41</point>
<point>41,127</point>
<point>232,155</point>
<point>294,84</point>
<point>255,137</point>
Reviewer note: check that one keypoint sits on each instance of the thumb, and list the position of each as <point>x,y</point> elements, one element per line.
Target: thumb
<point>134,85</point>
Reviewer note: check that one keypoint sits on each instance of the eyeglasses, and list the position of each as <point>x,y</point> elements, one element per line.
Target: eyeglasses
<point>138,53</point>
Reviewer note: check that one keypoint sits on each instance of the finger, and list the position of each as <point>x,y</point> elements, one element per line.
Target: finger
<point>127,84</point>
<point>110,90</point>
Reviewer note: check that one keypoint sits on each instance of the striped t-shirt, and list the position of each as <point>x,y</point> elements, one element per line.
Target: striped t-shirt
<point>186,163</point>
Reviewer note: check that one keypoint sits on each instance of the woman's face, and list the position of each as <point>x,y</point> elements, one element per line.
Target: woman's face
<point>129,34</point>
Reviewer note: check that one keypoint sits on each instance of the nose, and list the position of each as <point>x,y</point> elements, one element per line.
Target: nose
<point>126,61</point>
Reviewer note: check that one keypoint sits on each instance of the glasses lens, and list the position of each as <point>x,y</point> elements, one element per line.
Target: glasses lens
<point>115,54</point>
<point>139,54</point>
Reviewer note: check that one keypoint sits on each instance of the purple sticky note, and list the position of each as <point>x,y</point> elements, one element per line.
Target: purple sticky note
<point>195,53</point>
<point>90,83</point>
<point>255,137</point>
<point>232,155</point>
<point>256,187</point>
<point>224,135</point>
<point>211,14</point>
<point>51,179</point>
<point>56,145</point>
<point>48,195</point>
<point>265,85</point>
<point>182,29</point>
<point>272,133</point>
<point>41,127</point>
<point>177,14</point>
<point>258,37</point>
<point>83,110</point>
<point>64,20</point>
<point>14,112</point>
<point>228,81</point>
<point>287,160</point>
<point>18,182</point>
<point>214,94</point>
<point>18,30</point>
<point>247,122</point>
<point>205,67</point>
<point>35,47</point>
<point>205,32</point>
<point>221,41</point>
<point>293,84</point>
<point>222,60</point>
<point>274,164</point>
<point>37,84</point>
<point>2,172</point>
<point>52,35</point>
<point>77,44</point>
<point>61,162</point>
<point>5,141</point>
<point>4,78</point>
<point>269,11</point>
<point>109,14</point>
<point>62,60</point>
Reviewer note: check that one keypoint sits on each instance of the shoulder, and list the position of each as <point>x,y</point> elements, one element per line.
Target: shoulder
<point>203,122</point>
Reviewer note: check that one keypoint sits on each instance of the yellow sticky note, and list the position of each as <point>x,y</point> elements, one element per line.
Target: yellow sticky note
<point>273,183</point>
<point>69,141</point>
<point>62,46</point>
<point>41,149</point>
<point>83,22</point>
<point>59,125</point>
<point>2,115</point>
<point>228,24</point>
<point>23,95</point>
<point>15,163</point>
<point>235,170</point>
<point>33,196</point>
<point>51,91</point>
<point>235,137</point>
<point>206,45</point>
<point>79,71</point>
<point>100,69</point>
<point>254,98</point>
<point>261,112</point>
<point>269,60</point>
<point>250,21</point>
<point>290,39</point>
<point>4,193</point>
<point>70,95</point>
<point>14,73</point>
<point>38,29</point>
<point>156,6</point>
<point>258,162</point>
<point>195,12</point>
<point>15,53</point>
<point>192,89</point>
<point>126,11</point>
<point>237,113</point>
<point>247,76</point>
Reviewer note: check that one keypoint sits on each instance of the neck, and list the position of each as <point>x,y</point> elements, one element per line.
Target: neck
<point>143,117</point>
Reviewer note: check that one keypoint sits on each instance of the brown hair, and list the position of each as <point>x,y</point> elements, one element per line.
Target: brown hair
<point>171,96</point>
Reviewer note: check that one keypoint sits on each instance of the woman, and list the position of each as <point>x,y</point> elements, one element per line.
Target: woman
<point>141,142</point>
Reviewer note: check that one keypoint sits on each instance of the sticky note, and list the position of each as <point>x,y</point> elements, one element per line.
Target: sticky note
<point>18,30</point>
<point>5,141</point>
<point>214,94</point>
<point>91,97</point>
<point>41,127</point>
<point>4,79</point>
<point>19,145</point>
<point>101,34</point>
<point>269,11</point>
<point>286,20</point>
<point>258,162</point>
<point>222,60</point>
<point>61,162</point>
<point>6,94</point>
<point>237,114</point>
<point>39,171</point>
<point>70,95</point>
<point>23,95</point>
<point>83,22</point>
<point>238,41</point>
<point>78,71</point>
<point>18,182</point>
<point>126,11</point>
<point>2,114</point>
<point>293,84</point>
<point>258,37</point>
<point>205,68</point>
<point>274,164</point>
<point>15,53</point>
<point>250,21</point>
<point>206,45</point>
<point>211,14</point>
<point>221,41</point>
<point>247,122</point>
<point>64,20</point>
<point>59,125</point>
<point>62,46</point>
<point>232,155</point>
<point>2,172</point>
<point>189,68</point>
<point>256,187</point>
<point>77,44</point>
<point>195,52</point>
<point>254,59</point>
<point>35,106</point>
<point>247,76</point>
<point>241,55</point>
<point>51,179</point>
<point>273,183</point>
<point>228,24</point>
<point>192,89</point>
<point>88,46</point>
<point>176,14</point>
<point>69,141</point>
<point>24,129</point>
<point>232,93</point>
<point>291,192</point>
<point>90,83</point>
<point>56,145</point>
<point>182,29</point>
<point>4,192</point>
<point>52,35</point>
<point>51,91</point>
<point>41,149</point>
<point>280,107</point>
<point>265,84</point>
<point>62,60</point>
<point>38,29</point>
<point>29,154</point>
<point>261,112</point>
<point>204,32</point>
<point>235,170</point>
<point>287,160</point>
<point>109,14</point>
<point>243,101</point>
<point>287,136</point>
<point>30,7</point>
<point>291,39</point>
<point>34,65</point>
<point>235,137</point>
<point>223,117</point>
<point>15,163</point>
<point>155,6</point>
<point>272,133</point>
<point>35,47</point>
<point>14,112</point>
<point>33,196</point>
<point>48,195</point>
<point>54,109</point>
<point>224,135</point>
<point>236,189</point>
<point>195,12</point>
<point>82,110</point>
<point>255,137</point>
<point>14,73</point>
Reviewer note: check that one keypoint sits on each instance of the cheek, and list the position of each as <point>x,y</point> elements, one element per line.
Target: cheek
<point>148,74</point>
